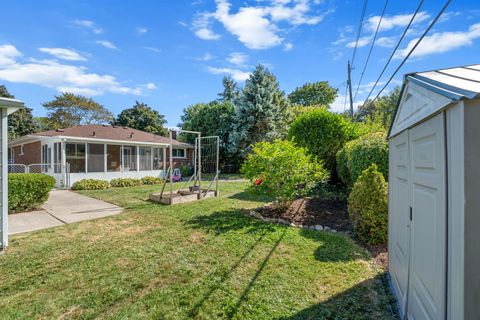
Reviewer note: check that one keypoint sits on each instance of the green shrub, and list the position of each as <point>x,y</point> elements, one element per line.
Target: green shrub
<point>357,155</point>
<point>28,191</point>
<point>151,180</point>
<point>322,133</point>
<point>90,184</point>
<point>125,182</point>
<point>368,207</point>
<point>186,170</point>
<point>282,170</point>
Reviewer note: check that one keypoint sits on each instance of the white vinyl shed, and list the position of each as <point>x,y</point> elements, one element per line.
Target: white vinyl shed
<point>7,106</point>
<point>434,195</point>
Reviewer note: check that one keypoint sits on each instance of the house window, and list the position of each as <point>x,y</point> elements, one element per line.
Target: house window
<point>145,158</point>
<point>45,158</point>
<point>96,157</point>
<point>11,155</point>
<point>157,158</point>
<point>57,157</point>
<point>75,157</point>
<point>179,153</point>
<point>21,150</point>
<point>129,158</point>
<point>114,160</point>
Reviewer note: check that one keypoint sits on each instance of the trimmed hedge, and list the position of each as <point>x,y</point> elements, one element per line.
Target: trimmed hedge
<point>368,207</point>
<point>125,182</point>
<point>357,155</point>
<point>323,134</point>
<point>91,184</point>
<point>151,180</point>
<point>28,191</point>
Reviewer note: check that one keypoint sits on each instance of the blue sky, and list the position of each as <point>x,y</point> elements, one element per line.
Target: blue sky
<point>170,54</point>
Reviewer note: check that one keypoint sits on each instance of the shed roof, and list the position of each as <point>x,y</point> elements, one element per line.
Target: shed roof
<point>455,83</point>
<point>425,93</point>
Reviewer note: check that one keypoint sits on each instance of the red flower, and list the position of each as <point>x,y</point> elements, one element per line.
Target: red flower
<point>258,182</point>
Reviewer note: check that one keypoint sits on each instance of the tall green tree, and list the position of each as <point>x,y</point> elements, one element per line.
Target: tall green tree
<point>381,111</point>
<point>260,112</point>
<point>211,119</point>
<point>144,118</point>
<point>313,94</point>
<point>230,91</point>
<point>68,110</point>
<point>20,123</point>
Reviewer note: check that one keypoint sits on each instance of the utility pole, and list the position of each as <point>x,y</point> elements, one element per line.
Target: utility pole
<point>349,83</point>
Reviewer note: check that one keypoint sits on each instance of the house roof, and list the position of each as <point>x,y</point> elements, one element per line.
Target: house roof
<point>11,105</point>
<point>109,132</point>
<point>455,83</point>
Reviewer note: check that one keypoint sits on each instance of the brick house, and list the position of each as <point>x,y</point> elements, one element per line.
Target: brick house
<point>98,152</point>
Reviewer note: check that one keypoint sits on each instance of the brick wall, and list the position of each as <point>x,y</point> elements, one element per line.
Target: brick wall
<point>32,153</point>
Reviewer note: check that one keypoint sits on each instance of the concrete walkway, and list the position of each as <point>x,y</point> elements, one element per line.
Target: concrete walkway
<point>62,207</point>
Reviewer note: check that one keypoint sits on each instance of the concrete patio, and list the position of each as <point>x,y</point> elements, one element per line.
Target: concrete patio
<point>62,207</point>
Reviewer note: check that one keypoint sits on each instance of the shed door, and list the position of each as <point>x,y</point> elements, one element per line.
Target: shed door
<point>427,291</point>
<point>399,215</point>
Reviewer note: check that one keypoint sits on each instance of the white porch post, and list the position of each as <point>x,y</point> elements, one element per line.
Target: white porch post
<point>4,180</point>
<point>164,161</point>
<point>138,157</point>
<point>86,157</point>
<point>63,165</point>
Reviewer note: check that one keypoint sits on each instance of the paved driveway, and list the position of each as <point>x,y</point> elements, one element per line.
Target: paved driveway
<point>62,207</point>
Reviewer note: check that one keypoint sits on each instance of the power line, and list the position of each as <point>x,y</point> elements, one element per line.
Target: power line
<point>371,49</point>
<point>413,49</point>
<point>396,48</point>
<point>360,26</point>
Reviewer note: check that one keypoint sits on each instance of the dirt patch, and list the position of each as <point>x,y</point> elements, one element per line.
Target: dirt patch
<point>379,254</point>
<point>312,211</point>
<point>331,213</point>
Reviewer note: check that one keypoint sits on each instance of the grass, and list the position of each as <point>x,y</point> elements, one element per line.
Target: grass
<point>203,260</point>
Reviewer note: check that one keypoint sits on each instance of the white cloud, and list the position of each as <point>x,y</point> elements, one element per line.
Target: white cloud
<point>107,44</point>
<point>287,46</point>
<point>151,86</point>
<point>154,49</point>
<point>339,105</point>
<point>362,42</point>
<point>237,75</point>
<point>141,30</point>
<point>256,26</point>
<point>386,42</point>
<point>88,24</point>
<point>237,58</point>
<point>205,57</point>
<point>64,54</point>
<point>60,76</point>
<point>390,22</point>
<point>441,42</point>
<point>8,54</point>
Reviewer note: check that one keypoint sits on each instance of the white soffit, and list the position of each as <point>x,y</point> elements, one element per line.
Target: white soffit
<point>11,105</point>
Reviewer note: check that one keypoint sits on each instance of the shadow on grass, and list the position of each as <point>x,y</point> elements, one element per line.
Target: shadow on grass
<point>248,196</point>
<point>370,299</point>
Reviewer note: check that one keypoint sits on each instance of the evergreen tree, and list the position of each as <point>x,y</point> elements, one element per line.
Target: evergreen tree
<point>142,117</point>
<point>260,112</point>
<point>230,90</point>
<point>20,123</point>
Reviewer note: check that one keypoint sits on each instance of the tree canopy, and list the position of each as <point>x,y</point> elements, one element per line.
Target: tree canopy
<point>381,111</point>
<point>144,118</point>
<point>20,123</point>
<point>211,119</point>
<point>260,112</point>
<point>68,110</point>
<point>313,94</point>
<point>230,91</point>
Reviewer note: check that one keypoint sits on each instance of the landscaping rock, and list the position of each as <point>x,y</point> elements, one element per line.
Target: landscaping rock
<point>304,227</point>
<point>311,227</point>
<point>334,231</point>
<point>327,228</point>
<point>293,224</point>
<point>318,227</point>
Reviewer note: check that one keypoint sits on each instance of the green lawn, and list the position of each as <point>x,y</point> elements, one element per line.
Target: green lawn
<point>203,260</point>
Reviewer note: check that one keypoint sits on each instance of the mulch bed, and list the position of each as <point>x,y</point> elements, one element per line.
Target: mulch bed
<point>316,211</point>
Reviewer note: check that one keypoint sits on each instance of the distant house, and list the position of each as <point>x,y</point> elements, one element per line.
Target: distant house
<point>97,152</point>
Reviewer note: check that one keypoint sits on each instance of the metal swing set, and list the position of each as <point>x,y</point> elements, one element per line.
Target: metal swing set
<point>203,183</point>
